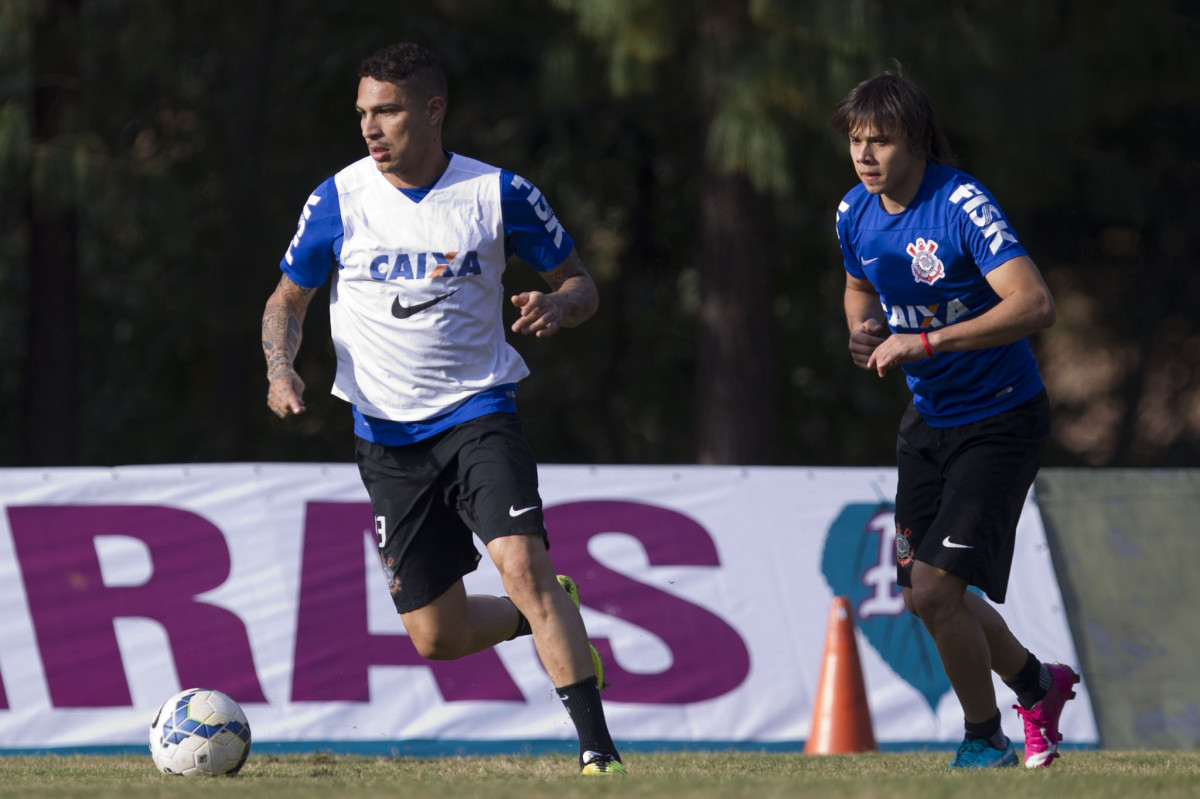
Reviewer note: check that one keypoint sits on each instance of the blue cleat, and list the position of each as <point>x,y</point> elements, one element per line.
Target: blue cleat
<point>981,754</point>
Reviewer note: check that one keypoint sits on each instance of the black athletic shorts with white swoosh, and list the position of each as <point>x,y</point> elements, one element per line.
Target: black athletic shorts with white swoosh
<point>428,498</point>
<point>961,490</point>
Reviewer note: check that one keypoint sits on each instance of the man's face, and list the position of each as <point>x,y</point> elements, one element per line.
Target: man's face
<point>885,165</point>
<point>401,130</point>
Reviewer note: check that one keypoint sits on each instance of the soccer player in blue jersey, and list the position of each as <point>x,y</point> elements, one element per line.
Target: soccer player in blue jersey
<point>938,285</point>
<point>414,240</point>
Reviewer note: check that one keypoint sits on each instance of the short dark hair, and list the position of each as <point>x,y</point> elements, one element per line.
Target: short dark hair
<point>409,64</point>
<point>892,104</point>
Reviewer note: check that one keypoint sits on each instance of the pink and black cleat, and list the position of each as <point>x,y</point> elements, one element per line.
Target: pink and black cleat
<point>1041,722</point>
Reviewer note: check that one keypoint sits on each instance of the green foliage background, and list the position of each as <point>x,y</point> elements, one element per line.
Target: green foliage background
<point>683,144</point>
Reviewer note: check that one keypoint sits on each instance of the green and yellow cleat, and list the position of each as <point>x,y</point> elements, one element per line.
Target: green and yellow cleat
<point>570,587</point>
<point>572,590</point>
<point>596,764</point>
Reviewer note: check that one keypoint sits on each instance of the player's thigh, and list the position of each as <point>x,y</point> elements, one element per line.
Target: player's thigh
<point>446,614</point>
<point>988,476</point>
<point>424,546</point>
<point>918,490</point>
<point>497,480</point>
<point>991,469</point>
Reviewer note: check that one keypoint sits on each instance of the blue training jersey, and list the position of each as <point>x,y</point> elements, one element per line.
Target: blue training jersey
<point>929,265</point>
<point>416,295</point>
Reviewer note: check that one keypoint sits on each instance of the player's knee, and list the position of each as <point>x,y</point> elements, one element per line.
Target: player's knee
<point>929,604</point>
<point>438,650</point>
<point>518,580</point>
<point>438,644</point>
<point>517,565</point>
<point>523,586</point>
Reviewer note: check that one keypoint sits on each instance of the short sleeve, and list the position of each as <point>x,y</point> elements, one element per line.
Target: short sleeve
<point>318,240</point>
<point>985,231</point>
<point>842,226</point>
<point>531,230</point>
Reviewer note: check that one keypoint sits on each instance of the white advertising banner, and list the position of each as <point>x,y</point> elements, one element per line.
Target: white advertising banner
<point>705,589</point>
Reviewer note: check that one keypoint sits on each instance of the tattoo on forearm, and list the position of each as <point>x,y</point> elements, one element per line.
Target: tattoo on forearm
<point>574,304</point>
<point>574,290</point>
<point>282,327</point>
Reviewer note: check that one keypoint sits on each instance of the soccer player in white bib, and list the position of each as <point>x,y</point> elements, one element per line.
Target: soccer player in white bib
<point>938,286</point>
<point>414,240</point>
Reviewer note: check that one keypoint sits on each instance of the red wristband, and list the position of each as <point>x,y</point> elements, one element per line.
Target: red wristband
<point>925,343</point>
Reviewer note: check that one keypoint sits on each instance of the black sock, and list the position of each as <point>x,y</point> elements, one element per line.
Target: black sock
<point>522,622</point>
<point>988,730</point>
<point>582,701</point>
<point>1030,683</point>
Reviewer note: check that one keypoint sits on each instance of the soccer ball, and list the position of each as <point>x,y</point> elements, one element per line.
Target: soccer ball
<point>200,732</point>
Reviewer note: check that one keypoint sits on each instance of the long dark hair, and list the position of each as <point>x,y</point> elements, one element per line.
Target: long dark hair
<point>893,105</point>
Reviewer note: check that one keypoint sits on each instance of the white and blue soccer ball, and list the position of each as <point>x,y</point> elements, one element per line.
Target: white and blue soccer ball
<point>200,732</point>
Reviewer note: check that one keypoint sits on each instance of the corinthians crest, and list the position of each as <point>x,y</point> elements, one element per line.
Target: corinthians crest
<point>926,266</point>
<point>904,555</point>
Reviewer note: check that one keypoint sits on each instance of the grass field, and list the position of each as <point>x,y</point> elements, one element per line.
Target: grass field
<point>1077,775</point>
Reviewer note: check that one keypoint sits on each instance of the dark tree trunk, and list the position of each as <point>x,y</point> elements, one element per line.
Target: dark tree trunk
<point>239,384</point>
<point>735,348</point>
<point>49,432</point>
<point>735,351</point>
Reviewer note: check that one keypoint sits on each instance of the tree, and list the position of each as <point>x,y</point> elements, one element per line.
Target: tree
<point>749,70</point>
<point>684,146</point>
<point>1083,132</point>
<point>51,389</point>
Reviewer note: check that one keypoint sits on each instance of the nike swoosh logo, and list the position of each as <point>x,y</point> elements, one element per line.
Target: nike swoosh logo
<point>866,261</point>
<point>946,542</point>
<point>404,311</point>
<point>513,512</point>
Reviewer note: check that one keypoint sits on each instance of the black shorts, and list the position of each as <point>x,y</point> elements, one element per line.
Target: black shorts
<point>429,497</point>
<point>961,490</point>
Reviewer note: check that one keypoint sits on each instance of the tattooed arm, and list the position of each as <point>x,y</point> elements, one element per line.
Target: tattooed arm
<point>573,300</point>
<point>283,319</point>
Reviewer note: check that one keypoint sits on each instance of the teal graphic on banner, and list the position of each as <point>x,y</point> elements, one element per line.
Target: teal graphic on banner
<point>859,562</point>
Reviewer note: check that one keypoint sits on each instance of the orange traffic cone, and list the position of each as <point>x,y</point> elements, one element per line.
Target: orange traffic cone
<point>841,719</point>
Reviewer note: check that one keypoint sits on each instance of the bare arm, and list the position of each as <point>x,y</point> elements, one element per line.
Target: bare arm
<point>864,317</point>
<point>282,324</point>
<point>572,300</point>
<point>1026,306</point>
